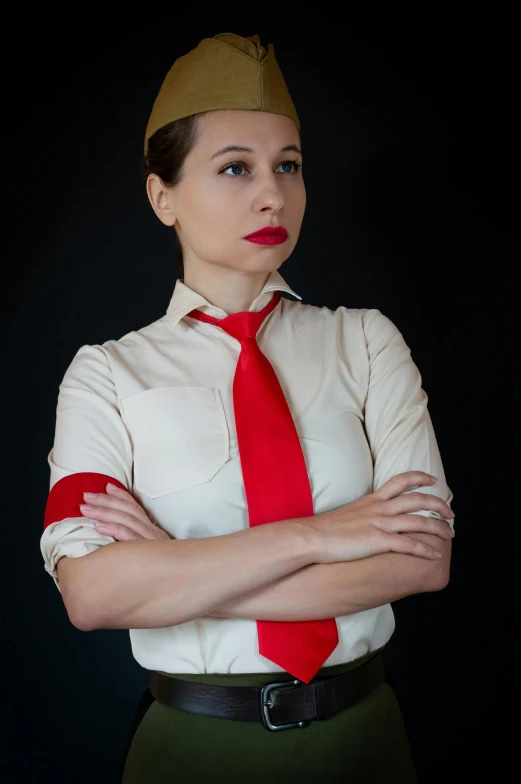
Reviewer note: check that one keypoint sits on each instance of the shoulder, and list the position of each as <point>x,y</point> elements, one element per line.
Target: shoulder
<point>371,322</point>
<point>358,335</point>
<point>303,311</point>
<point>93,364</point>
<point>139,339</point>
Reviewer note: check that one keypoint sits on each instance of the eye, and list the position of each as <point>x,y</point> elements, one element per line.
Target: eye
<point>291,163</point>
<point>233,166</point>
<point>238,168</point>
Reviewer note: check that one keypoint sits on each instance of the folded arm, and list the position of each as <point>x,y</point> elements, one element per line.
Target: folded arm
<point>331,590</point>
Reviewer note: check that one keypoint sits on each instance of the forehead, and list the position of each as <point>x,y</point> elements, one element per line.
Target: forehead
<point>256,129</point>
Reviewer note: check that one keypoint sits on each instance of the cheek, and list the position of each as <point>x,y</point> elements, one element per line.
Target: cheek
<point>213,206</point>
<point>295,203</point>
<point>211,217</point>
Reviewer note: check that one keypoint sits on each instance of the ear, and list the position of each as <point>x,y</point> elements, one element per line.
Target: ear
<point>161,199</point>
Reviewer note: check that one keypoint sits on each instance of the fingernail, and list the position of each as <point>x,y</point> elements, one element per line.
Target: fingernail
<point>433,477</point>
<point>101,526</point>
<point>437,554</point>
<point>86,507</point>
<point>90,496</point>
<point>112,487</point>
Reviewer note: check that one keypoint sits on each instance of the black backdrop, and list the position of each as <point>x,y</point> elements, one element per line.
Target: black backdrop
<point>407,141</point>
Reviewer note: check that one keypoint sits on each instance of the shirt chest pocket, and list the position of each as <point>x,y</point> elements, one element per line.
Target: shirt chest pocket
<point>180,437</point>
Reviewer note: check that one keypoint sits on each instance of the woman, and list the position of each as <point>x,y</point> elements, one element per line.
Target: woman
<point>235,409</point>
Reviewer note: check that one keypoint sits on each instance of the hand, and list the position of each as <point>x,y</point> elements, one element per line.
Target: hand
<point>374,524</point>
<point>119,515</point>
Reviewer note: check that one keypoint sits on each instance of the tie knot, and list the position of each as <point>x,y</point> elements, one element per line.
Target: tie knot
<point>242,325</point>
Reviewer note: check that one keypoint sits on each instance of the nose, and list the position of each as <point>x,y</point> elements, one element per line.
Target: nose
<point>269,198</point>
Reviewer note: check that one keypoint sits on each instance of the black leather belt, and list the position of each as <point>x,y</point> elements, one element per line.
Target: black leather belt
<point>278,705</point>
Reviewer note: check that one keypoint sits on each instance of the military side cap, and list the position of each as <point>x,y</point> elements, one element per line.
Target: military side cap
<point>223,72</point>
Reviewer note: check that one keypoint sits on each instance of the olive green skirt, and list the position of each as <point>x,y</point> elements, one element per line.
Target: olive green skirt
<point>365,743</point>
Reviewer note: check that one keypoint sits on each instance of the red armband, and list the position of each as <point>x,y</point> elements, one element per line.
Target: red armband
<point>66,495</point>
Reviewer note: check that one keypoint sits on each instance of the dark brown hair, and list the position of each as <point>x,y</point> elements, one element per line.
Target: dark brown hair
<point>168,149</point>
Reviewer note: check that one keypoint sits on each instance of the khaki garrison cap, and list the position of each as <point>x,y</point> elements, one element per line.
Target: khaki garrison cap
<point>223,72</point>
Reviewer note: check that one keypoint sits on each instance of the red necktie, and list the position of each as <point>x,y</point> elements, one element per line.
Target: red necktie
<point>276,481</point>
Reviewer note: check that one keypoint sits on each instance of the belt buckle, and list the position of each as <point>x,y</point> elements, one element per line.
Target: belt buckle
<point>266,705</point>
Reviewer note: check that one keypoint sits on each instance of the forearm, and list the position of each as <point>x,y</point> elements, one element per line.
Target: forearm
<point>331,590</point>
<point>155,583</point>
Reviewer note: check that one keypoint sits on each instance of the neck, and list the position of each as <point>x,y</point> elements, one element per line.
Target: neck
<point>229,289</point>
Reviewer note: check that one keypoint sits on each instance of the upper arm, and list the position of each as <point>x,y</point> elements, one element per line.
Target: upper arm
<point>398,424</point>
<point>91,447</point>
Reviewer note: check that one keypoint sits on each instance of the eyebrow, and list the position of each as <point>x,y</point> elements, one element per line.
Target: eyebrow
<point>238,148</point>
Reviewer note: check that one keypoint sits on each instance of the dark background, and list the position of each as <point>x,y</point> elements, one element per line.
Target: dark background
<point>408,139</point>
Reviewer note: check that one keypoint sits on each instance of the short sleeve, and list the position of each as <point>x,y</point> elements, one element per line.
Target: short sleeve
<point>397,422</point>
<point>91,447</point>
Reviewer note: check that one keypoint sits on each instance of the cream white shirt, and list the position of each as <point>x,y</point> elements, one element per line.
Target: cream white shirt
<point>154,409</point>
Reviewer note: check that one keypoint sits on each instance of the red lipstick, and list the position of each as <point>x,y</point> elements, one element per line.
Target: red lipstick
<point>269,235</point>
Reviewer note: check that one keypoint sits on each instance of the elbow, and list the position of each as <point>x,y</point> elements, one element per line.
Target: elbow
<point>439,579</point>
<point>79,615</point>
<point>86,614</point>
<point>79,623</point>
<point>71,585</point>
<point>439,570</point>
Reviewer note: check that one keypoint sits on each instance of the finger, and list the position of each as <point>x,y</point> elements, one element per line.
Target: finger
<point>419,523</point>
<point>122,501</point>
<point>401,482</point>
<point>116,491</point>
<point>105,514</point>
<point>403,544</point>
<point>137,509</point>
<point>118,531</point>
<point>414,502</point>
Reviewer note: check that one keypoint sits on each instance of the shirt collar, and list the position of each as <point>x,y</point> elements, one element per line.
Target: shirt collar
<point>184,299</point>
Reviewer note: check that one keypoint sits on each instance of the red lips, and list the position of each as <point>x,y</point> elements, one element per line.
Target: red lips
<point>269,235</point>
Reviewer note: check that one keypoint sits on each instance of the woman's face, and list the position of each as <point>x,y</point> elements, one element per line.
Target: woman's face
<point>224,196</point>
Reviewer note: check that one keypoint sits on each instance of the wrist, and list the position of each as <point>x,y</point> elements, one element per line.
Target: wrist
<point>310,540</point>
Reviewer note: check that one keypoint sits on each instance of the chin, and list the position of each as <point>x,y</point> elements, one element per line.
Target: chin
<point>271,253</point>
<point>266,263</point>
